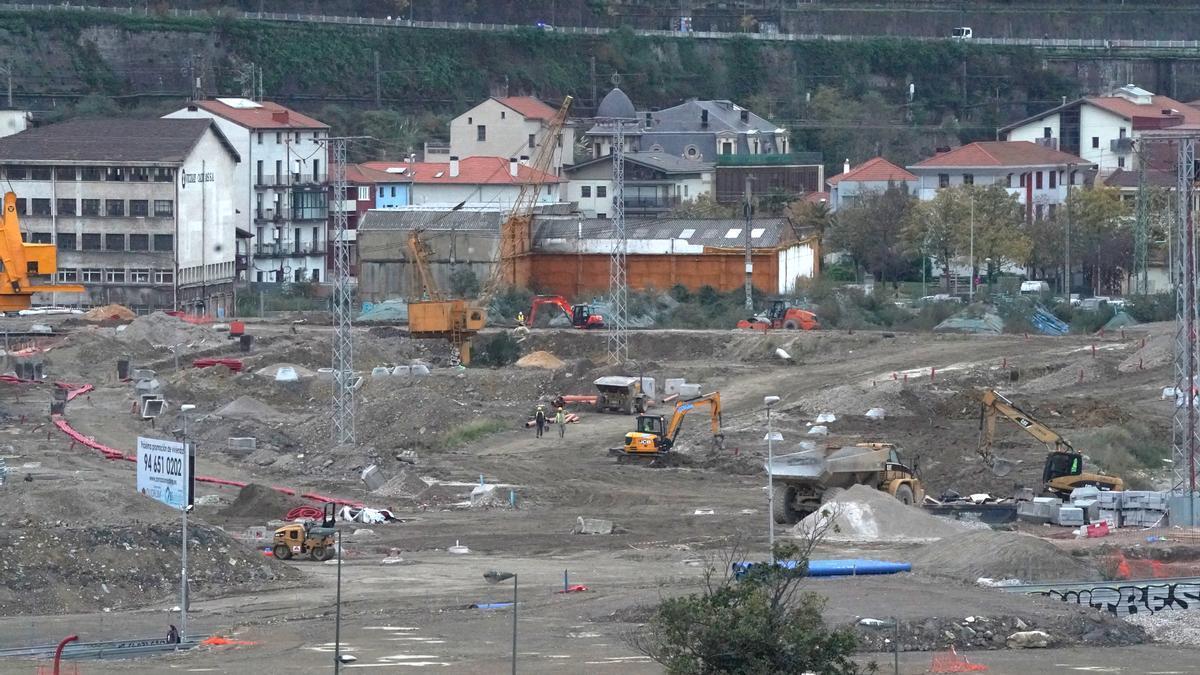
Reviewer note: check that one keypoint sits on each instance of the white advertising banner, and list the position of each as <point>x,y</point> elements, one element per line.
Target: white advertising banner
<point>163,471</point>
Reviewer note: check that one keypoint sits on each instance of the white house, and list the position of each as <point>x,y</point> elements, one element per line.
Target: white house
<point>142,211</point>
<point>513,126</point>
<point>872,176</point>
<point>281,184</point>
<point>479,183</point>
<point>655,183</point>
<point>1103,130</point>
<point>13,122</point>
<point>1036,174</point>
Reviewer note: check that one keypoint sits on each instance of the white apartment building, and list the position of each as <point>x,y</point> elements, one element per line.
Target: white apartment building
<point>142,211</point>
<point>281,186</point>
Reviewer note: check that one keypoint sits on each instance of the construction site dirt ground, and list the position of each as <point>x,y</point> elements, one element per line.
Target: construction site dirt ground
<point>468,425</point>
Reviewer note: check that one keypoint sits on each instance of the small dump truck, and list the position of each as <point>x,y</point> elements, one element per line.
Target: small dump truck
<point>620,394</point>
<point>802,479</point>
<point>316,540</point>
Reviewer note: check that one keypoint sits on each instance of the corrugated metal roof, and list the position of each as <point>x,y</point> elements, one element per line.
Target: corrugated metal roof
<point>696,231</point>
<point>385,219</point>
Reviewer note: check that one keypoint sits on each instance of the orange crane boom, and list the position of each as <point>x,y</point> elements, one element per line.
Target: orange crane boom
<point>22,263</point>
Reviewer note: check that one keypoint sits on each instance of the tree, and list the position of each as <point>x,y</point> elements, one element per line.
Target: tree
<point>935,228</point>
<point>996,217</point>
<point>1101,236</point>
<point>870,230</point>
<point>760,624</point>
<point>703,206</point>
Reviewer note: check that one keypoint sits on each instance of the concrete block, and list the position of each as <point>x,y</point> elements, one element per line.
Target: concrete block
<point>380,371</point>
<point>241,446</point>
<point>1113,517</point>
<point>147,386</point>
<point>1110,500</point>
<point>401,371</point>
<point>689,390</point>
<point>1086,492</point>
<point>1091,509</point>
<point>419,370</point>
<point>593,526</point>
<point>1034,512</point>
<point>373,478</point>
<point>672,384</point>
<point>1185,510</point>
<point>144,374</point>
<point>1069,516</point>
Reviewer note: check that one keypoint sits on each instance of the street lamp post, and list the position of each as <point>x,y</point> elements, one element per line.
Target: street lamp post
<point>971,285</point>
<point>337,612</point>
<point>769,402</point>
<point>1067,251</point>
<point>494,577</point>
<point>183,575</point>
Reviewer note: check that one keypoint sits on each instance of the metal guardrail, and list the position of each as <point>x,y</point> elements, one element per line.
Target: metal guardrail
<point>110,649</point>
<point>1045,43</point>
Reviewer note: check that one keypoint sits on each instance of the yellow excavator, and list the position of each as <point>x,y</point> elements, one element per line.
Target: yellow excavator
<point>21,264</point>
<point>1063,470</point>
<point>654,436</point>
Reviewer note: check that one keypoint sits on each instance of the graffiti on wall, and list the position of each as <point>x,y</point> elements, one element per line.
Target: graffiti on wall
<point>1134,599</point>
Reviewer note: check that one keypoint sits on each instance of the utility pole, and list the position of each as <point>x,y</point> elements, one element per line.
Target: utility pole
<point>748,212</point>
<point>593,75</point>
<point>7,70</point>
<point>971,282</point>
<point>1067,252</point>
<point>378,96</point>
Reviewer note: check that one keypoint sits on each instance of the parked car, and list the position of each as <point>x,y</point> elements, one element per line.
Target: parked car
<point>1034,287</point>
<point>962,33</point>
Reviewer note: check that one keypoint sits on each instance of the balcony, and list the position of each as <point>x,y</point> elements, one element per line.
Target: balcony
<point>267,216</point>
<point>1051,143</point>
<point>288,249</point>
<point>241,263</point>
<point>263,180</point>
<point>1122,145</point>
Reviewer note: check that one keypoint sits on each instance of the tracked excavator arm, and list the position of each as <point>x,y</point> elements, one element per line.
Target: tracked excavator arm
<point>683,408</point>
<point>22,262</point>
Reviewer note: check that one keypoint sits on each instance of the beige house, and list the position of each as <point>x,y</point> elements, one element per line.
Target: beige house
<point>509,127</point>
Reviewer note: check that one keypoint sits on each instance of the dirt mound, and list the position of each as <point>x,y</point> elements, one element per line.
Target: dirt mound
<point>109,313</point>
<point>247,406</point>
<point>1158,351</point>
<point>405,485</point>
<point>259,502</point>
<point>272,370</point>
<point>49,569</point>
<point>864,514</point>
<point>162,330</point>
<point>1000,555</point>
<point>541,359</point>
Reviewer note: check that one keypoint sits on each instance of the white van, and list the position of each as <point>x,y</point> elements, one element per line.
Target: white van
<point>962,33</point>
<point>1034,287</point>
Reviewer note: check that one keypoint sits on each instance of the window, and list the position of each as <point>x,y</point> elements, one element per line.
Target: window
<point>163,174</point>
<point>1047,132</point>
<point>139,174</point>
<point>1037,181</point>
<point>91,173</point>
<point>164,208</point>
<point>279,171</point>
<point>16,172</point>
<point>40,207</point>
<point>114,276</point>
<point>114,207</point>
<point>364,193</point>
<point>139,208</point>
<point>41,238</point>
<point>1095,141</point>
<point>585,192</point>
<point>66,241</point>
<point>1121,132</point>
<point>298,275</point>
<point>260,138</point>
<point>316,136</point>
<point>1050,210</point>
<point>278,137</point>
<point>91,242</point>
<point>393,190</point>
<point>21,206</point>
<point>89,207</point>
<point>309,205</point>
<point>139,276</point>
<point>968,179</point>
<point>316,171</point>
<point>139,242</point>
<point>532,141</point>
<point>64,173</point>
<point>164,242</point>
<point>258,172</point>
<point>726,147</point>
<point>114,173</point>
<point>259,276</point>
<point>1008,180</point>
<point>114,242</point>
<point>297,136</point>
<point>66,207</point>
<point>1121,162</point>
<point>601,191</point>
<point>168,277</point>
<point>68,275</point>
<point>943,180</point>
<point>41,173</point>
<point>1053,179</point>
<point>481,132</point>
<point>1037,210</point>
<point>1024,177</point>
<point>91,274</point>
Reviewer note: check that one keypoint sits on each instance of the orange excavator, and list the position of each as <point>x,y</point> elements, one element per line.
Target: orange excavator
<point>22,265</point>
<point>581,315</point>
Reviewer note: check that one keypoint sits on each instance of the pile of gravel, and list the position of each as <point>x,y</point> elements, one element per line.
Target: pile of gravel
<point>864,514</point>
<point>1001,555</point>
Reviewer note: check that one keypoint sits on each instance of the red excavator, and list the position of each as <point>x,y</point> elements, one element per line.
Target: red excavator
<point>781,316</point>
<point>581,315</point>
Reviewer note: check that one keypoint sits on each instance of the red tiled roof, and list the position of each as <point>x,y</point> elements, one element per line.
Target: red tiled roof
<point>816,197</point>
<point>267,115</point>
<point>529,107</point>
<point>877,170</point>
<point>999,154</point>
<point>359,173</point>
<point>1129,110</point>
<point>471,171</point>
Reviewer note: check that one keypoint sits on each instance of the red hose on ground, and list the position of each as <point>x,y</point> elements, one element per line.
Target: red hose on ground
<point>74,390</point>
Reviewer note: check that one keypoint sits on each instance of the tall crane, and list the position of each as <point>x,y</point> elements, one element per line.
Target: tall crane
<point>515,230</point>
<point>21,264</point>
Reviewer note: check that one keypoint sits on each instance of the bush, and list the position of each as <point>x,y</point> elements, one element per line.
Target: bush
<point>509,302</point>
<point>1155,307</point>
<point>464,283</point>
<point>499,349</point>
<point>470,432</point>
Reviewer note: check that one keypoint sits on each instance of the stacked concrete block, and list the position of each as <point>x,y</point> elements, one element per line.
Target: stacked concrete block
<point>1143,508</point>
<point>1069,516</point>
<point>1110,508</point>
<point>1041,510</point>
